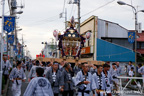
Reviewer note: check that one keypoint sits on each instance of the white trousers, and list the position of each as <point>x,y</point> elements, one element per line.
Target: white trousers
<point>16,89</point>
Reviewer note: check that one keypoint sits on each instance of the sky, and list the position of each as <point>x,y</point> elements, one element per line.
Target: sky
<point>41,17</point>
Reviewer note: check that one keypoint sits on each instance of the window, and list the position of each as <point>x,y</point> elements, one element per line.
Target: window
<point>142,45</point>
<point>138,45</point>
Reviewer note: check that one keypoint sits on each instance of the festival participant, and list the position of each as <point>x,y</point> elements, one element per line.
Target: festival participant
<point>54,75</point>
<point>119,69</point>
<point>68,84</point>
<point>32,72</point>
<point>24,65</point>
<point>100,81</point>
<point>77,67</point>
<point>17,75</point>
<point>108,79</point>
<point>48,67</point>
<point>84,81</point>
<point>61,66</point>
<point>114,75</point>
<point>94,69</point>
<point>141,71</point>
<point>39,86</point>
<point>6,68</point>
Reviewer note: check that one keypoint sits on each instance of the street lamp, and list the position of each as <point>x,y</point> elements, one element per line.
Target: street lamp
<point>121,3</point>
<point>19,12</point>
<point>136,23</point>
<point>19,29</point>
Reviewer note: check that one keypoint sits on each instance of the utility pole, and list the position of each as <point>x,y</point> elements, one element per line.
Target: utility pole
<point>13,7</point>
<point>2,30</point>
<point>22,46</point>
<point>79,16</point>
<point>136,41</point>
<point>61,16</point>
<point>13,13</point>
<point>78,4</point>
<point>65,19</point>
<point>7,45</point>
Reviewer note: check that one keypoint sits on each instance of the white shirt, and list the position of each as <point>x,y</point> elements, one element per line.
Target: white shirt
<point>131,73</point>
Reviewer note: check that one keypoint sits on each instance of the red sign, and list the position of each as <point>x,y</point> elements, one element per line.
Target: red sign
<point>85,50</point>
<point>40,55</point>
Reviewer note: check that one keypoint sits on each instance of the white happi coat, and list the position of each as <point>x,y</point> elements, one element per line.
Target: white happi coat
<point>39,86</point>
<point>16,85</point>
<point>80,77</point>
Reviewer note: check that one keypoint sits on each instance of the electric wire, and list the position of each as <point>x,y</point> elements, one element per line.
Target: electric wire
<point>98,8</point>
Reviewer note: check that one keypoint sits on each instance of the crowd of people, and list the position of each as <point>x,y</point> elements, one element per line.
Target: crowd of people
<point>65,79</point>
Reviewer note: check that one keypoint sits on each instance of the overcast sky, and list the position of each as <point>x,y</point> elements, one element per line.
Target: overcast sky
<point>41,17</point>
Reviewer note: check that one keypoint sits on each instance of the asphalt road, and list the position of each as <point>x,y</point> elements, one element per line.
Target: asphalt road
<point>24,85</point>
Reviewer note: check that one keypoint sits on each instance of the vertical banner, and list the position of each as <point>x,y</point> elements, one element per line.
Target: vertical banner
<point>9,23</point>
<point>15,49</point>
<point>11,39</point>
<point>131,37</point>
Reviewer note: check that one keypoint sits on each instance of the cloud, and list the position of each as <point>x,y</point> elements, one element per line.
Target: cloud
<point>41,17</point>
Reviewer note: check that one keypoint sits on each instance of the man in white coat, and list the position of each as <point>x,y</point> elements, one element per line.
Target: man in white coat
<point>17,76</point>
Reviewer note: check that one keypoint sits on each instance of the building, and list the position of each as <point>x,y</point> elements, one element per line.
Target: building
<point>108,42</point>
<point>50,51</point>
<point>140,43</point>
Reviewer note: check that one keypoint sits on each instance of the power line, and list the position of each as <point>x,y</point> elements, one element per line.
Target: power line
<point>64,5</point>
<point>43,20</point>
<point>98,8</point>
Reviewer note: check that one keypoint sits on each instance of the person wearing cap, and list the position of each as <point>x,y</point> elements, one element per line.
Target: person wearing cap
<point>39,86</point>
<point>6,68</point>
<point>54,75</point>
<point>32,73</point>
<point>68,84</point>
<point>84,81</point>
<point>108,79</point>
<point>17,76</point>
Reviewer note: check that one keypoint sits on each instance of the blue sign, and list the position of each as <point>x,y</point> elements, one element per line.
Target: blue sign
<point>11,39</point>
<point>15,49</point>
<point>9,23</point>
<point>131,37</point>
